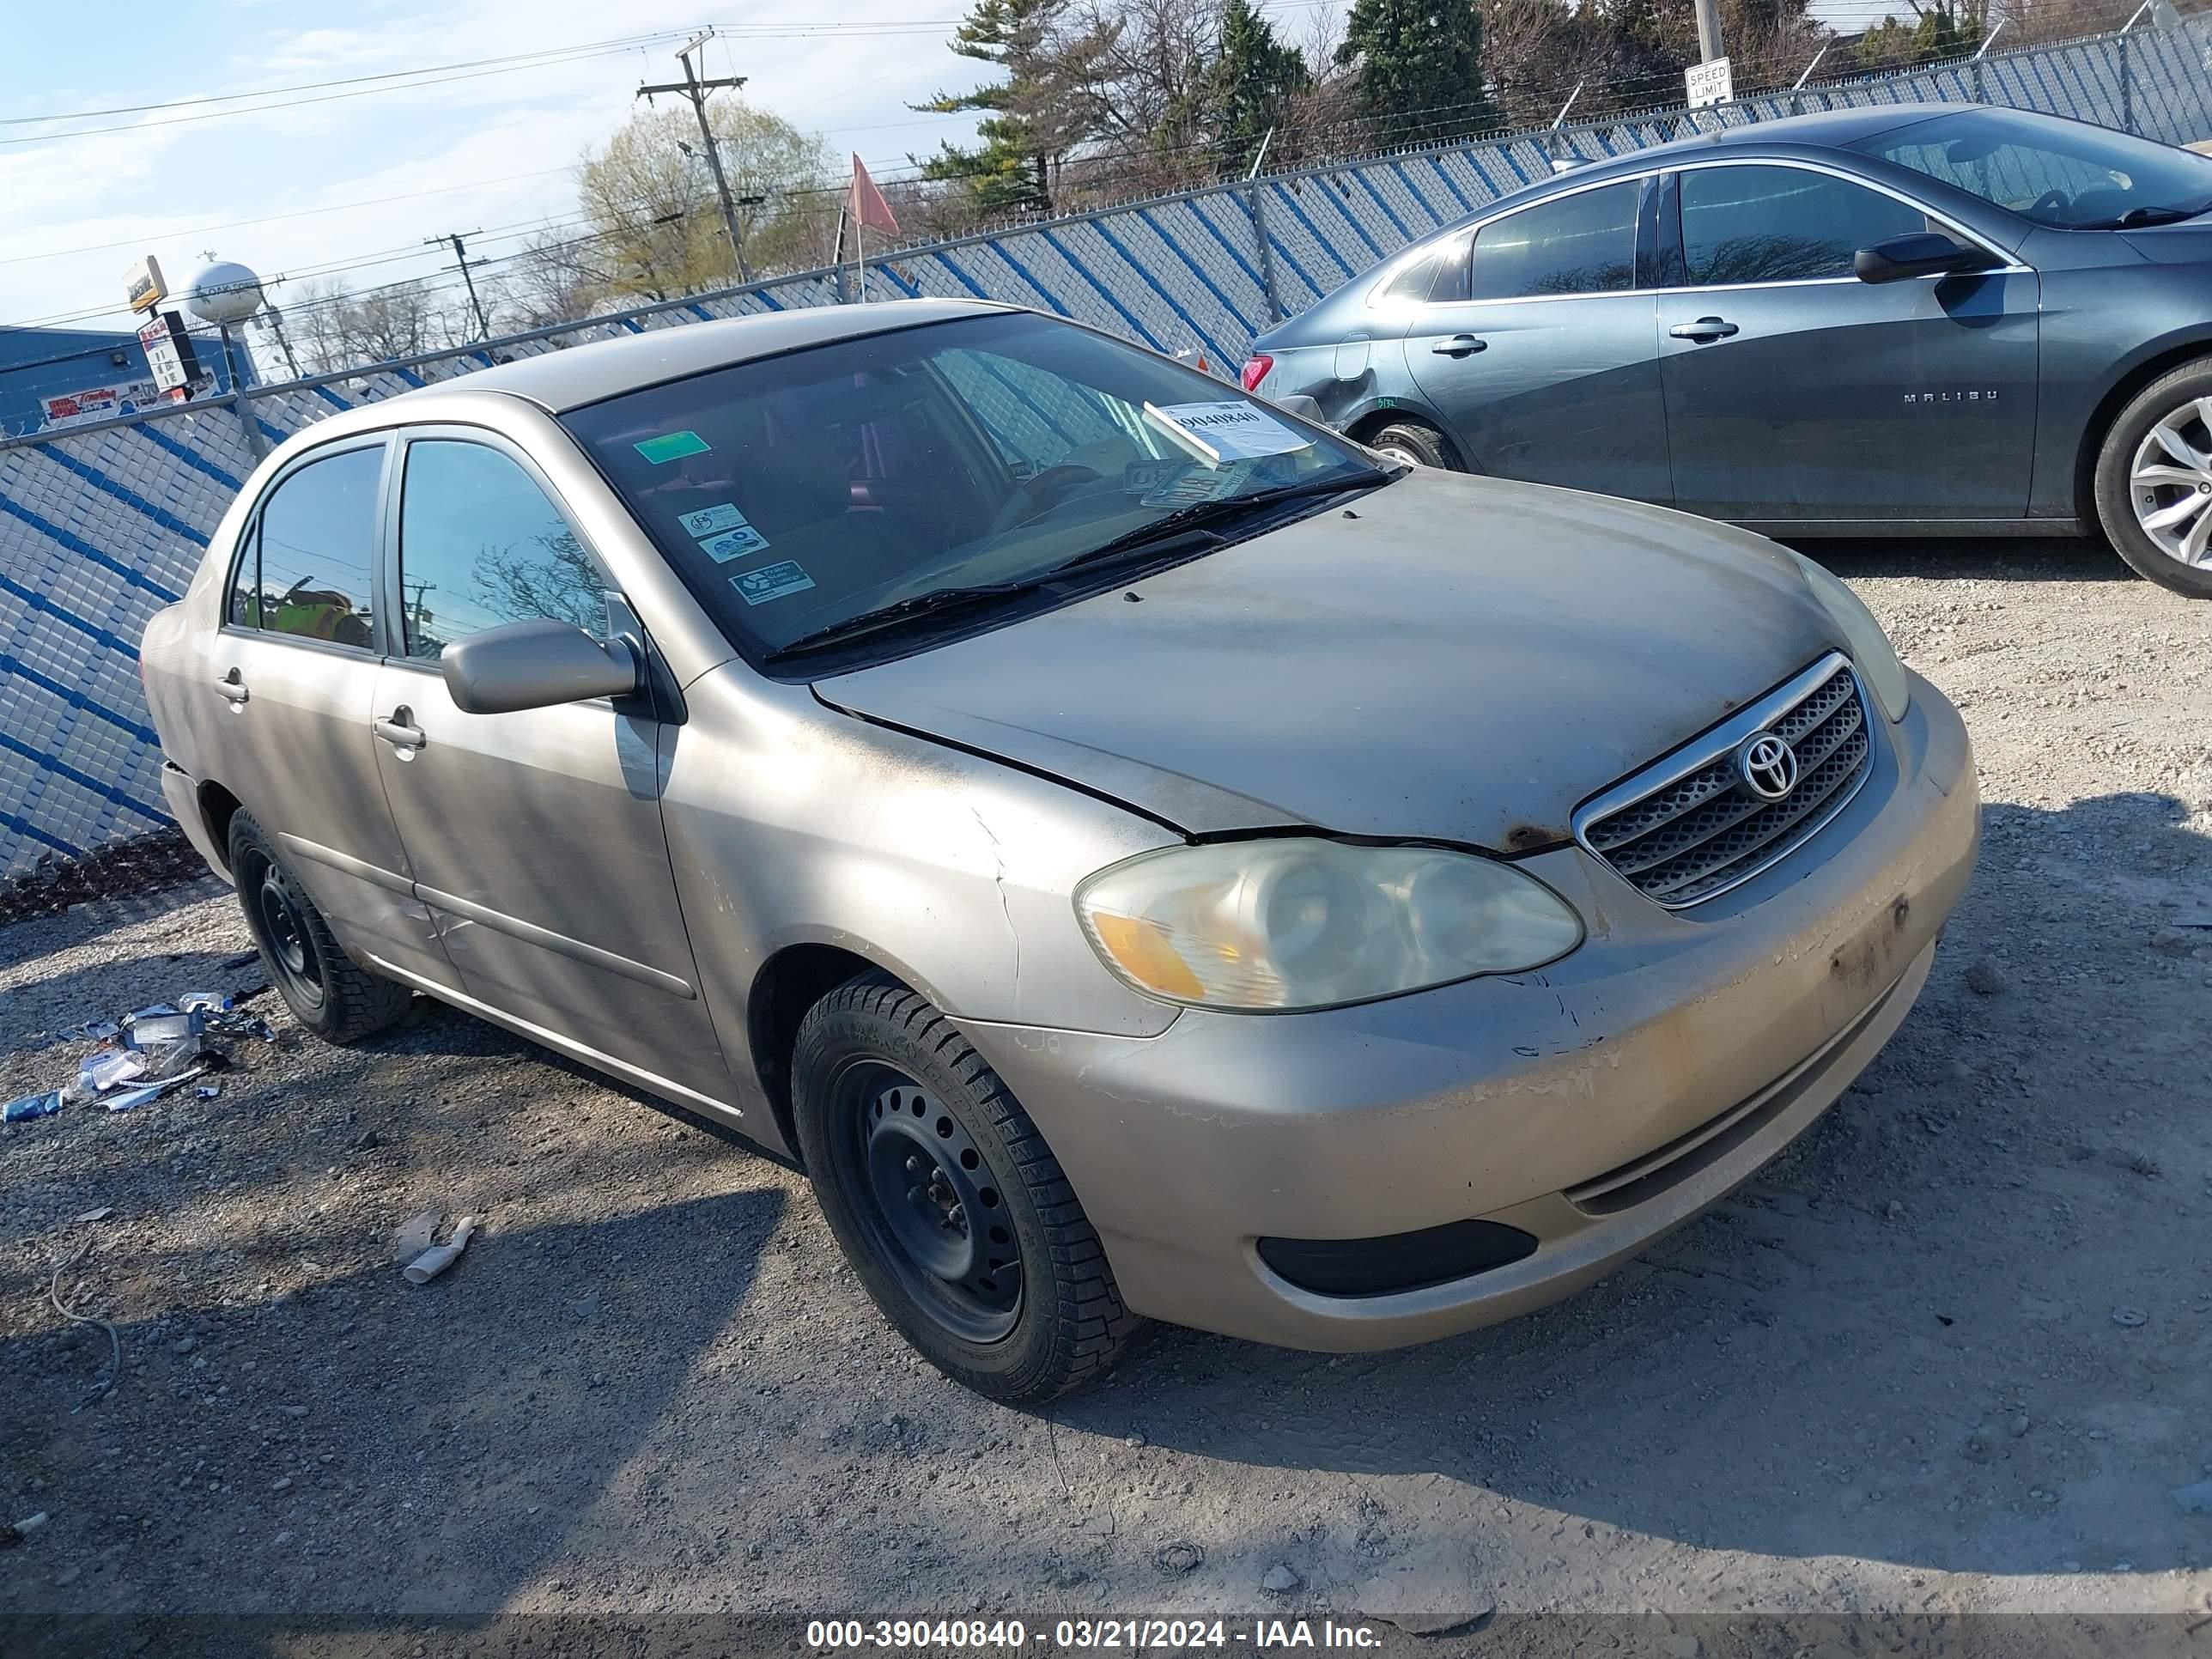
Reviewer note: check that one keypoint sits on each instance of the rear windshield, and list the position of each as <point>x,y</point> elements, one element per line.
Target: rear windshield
<point>799,492</point>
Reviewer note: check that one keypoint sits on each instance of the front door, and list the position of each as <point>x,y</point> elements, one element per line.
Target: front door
<point>1539,353</point>
<point>1797,392</point>
<point>535,836</point>
<point>295,667</point>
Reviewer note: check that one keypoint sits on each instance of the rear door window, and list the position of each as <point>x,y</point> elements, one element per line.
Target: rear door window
<point>1584,243</point>
<point>312,549</point>
<point>1771,224</point>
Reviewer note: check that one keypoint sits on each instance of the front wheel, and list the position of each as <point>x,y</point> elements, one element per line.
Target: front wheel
<point>2153,483</point>
<point>947,1201</point>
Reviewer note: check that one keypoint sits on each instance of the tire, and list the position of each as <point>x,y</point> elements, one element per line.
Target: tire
<point>329,993</point>
<point>947,1201</point>
<point>2171,398</point>
<point>1416,444</point>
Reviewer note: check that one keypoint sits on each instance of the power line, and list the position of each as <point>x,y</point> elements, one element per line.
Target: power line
<point>297,103</point>
<point>274,218</point>
<point>519,59</point>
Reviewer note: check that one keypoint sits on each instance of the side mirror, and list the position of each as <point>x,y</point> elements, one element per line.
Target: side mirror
<point>1923,253</point>
<point>535,665</point>
<point>1298,404</point>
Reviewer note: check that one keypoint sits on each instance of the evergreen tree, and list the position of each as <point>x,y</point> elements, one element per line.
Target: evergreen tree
<point>1421,67</point>
<point>1012,169</point>
<point>1246,86</point>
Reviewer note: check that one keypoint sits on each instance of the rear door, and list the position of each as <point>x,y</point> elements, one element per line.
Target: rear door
<point>295,665</point>
<point>1539,349</point>
<point>535,837</point>
<point>1796,392</point>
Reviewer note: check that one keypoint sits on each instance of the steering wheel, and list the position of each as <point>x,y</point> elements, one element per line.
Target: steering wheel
<point>1039,494</point>
<point>2051,201</point>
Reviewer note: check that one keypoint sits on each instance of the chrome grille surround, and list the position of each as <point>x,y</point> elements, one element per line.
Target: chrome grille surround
<point>1685,828</point>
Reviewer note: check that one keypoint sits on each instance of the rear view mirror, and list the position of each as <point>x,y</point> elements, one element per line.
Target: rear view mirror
<point>1923,253</point>
<point>535,665</point>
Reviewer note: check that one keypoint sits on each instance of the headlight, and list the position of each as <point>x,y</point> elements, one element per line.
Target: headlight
<point>1300,923</point>
<point>1870,647</point>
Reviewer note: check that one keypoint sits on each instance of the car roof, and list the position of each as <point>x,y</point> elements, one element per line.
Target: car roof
<point>569,379</point>
<point>1793,133</point>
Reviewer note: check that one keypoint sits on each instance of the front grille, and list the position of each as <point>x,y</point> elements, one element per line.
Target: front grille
<point>1688,827</point>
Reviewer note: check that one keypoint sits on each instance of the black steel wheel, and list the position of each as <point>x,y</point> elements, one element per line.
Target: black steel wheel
<point>942,1193</point>
<point>939,1215</point>
<point>327,992</point>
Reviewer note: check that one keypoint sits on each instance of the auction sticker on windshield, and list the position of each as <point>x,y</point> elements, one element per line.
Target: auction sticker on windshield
<point>771,581</point>
<point>1223,432</point>
<point>723,515</point>
<point>733,544</point>
<point>671,446</point>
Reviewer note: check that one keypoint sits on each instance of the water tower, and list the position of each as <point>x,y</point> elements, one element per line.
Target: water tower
<point>224,294</point>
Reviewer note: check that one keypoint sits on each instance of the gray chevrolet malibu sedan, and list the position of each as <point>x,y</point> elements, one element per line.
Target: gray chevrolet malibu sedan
<point>1144,855</point>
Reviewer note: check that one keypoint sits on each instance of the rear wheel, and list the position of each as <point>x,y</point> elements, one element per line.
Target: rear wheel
<point>1417,445</point>
<point>2153,483</point>
<point>327,992</point>
<point>946,1200</point>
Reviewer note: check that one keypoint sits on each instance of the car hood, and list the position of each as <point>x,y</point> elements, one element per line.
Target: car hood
<point>2183,242</point>
<point>1451,657</point>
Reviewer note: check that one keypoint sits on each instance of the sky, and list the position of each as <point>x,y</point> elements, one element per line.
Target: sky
<point>297,182</point>
<point>370,173</point>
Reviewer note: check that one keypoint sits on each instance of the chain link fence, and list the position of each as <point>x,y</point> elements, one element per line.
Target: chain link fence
<point>101,524</point>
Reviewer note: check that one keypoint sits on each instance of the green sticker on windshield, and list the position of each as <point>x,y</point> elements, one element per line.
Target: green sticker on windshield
<point>671,446</point>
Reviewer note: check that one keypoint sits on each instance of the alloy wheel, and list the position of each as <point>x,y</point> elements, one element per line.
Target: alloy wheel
<point>2170,484</point>
<point>935,1212</point>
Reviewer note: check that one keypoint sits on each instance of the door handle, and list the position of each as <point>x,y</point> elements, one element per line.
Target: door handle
<point>1460,345</point>
<point>1706,328</point>
<point>233,686</point>
<point>401,732</point>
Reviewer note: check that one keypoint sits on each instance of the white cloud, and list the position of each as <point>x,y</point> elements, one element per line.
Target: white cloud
<point>156,185</point>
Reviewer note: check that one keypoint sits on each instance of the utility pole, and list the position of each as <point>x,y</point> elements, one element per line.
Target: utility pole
<point>461,262</point>
<point>693,87</point>
<point>1709,31</point>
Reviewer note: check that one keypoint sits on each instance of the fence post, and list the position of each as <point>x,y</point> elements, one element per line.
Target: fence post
<point>2127,84</point>
<point>1256,210</point>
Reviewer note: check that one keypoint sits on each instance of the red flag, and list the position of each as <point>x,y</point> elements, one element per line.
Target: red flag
<point>869,207</point>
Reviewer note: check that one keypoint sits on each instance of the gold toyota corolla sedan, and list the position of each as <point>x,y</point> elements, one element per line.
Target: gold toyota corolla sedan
<point>1144,855</point>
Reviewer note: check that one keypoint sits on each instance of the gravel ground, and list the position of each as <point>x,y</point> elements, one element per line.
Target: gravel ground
<point>1949,1355</point>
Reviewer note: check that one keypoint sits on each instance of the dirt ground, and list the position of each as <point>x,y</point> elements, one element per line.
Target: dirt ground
<point>1952,1354</point>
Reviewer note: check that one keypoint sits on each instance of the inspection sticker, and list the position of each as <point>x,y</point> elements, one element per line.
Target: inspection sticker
<point>671,446</point>
<point>708,520</point>
<point>734,544</point>
<point>1201,484</point>
<point>1225,431</point>
<point>771,581</point>
<point>1142,478</point>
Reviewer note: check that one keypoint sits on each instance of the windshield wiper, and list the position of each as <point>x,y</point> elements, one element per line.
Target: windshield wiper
<point>904,612</point>
<point>1184,530</point>
<point>1150,538</point>
<point>2136,217</point>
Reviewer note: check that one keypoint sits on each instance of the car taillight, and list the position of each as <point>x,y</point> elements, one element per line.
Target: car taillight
<point>1255,370</point>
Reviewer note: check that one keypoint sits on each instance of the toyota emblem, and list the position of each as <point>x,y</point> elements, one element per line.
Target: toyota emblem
<point>1767,766</point>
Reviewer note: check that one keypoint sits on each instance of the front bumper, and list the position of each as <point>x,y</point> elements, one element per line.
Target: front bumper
<point>1594,1104</point>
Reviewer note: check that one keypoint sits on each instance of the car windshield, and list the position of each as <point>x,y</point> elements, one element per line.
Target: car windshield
<point>900,471</point>
<point>2066,175</point>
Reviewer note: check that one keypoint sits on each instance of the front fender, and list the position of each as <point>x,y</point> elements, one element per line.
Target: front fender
<point>791,824</point>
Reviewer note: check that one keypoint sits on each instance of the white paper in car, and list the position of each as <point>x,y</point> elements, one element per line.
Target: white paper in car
<point>1223,432</point>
